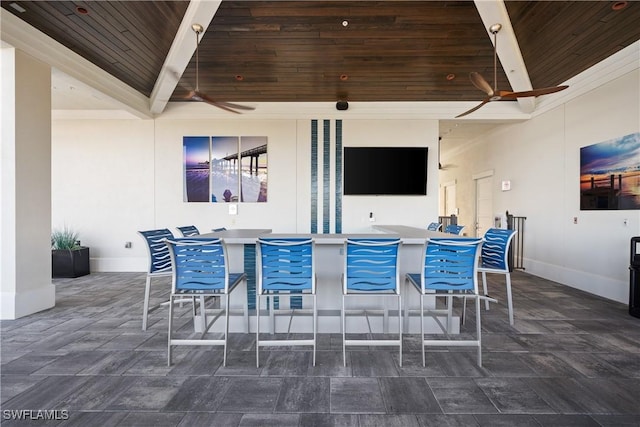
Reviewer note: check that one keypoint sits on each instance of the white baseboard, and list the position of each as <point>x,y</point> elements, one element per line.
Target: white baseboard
<point>14,305</point>
<point>119,265</point>
<point>598,285</point>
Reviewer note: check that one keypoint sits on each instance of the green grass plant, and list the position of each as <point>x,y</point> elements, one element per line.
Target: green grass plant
<point>64,238</point>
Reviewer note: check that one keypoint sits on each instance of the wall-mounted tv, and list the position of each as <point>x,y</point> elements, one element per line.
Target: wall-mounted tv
<point>385,171</point>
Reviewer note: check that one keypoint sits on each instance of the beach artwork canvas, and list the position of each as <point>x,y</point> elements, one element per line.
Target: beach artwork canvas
<point>254,168</point>
<point>196,157</point>
<point>610,174</point>
<point>225,179</point>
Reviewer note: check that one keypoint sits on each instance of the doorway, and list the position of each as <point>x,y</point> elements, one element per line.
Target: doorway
<point>448,199</point>
<point>484,203</point>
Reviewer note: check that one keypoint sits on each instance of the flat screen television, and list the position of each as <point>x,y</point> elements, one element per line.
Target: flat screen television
<point>385,171</point>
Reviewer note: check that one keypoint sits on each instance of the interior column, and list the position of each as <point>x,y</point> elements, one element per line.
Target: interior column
<point>25,185</point>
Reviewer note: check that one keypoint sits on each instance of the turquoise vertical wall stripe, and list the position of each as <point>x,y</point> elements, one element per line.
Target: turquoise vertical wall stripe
<point>296,302</point>
<point>314,176</point>
<point>326,176</point>
<point>250,270</point>
<point>338,176</point>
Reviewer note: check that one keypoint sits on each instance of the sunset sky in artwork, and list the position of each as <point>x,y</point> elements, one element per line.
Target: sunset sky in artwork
<point>196,150</point>
<point>617,155</point>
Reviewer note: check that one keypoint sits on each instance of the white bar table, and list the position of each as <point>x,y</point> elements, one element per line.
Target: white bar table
<point>329,260</point>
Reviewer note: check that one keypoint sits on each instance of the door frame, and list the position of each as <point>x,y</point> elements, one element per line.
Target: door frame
<point>476,177</point>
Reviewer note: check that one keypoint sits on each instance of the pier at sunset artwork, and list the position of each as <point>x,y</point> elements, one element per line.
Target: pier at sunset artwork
<point>610,174</point>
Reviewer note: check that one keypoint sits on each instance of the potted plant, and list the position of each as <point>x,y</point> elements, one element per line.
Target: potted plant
<point>68,257</point>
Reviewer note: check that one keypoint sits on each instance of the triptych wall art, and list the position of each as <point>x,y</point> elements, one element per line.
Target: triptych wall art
<point>223,169</point>
<point>610,174</point>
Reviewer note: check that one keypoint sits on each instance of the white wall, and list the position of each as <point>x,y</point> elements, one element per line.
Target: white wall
<point>417,211</point>
<point>103,186</point>
<point>111,178</point>
<point>541,157</point>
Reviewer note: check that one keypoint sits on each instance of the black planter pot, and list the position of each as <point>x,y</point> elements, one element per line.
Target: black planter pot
<point>67,263</point>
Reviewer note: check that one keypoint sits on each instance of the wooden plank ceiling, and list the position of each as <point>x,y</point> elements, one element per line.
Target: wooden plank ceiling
<point>280,51</point>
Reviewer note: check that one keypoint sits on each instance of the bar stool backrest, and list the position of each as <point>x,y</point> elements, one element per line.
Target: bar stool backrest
<point>286,265</point>
<point>451,264</point>
<point>189,230</point>
<point>199,264</point>
<point>159,258</point>
<point>495,249</point>
<point>371,265</point>
<point>454,229</point>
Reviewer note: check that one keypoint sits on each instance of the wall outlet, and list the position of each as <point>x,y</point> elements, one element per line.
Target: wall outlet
<point>371,217</point>
<point>575,219</point>
<point>625,222</point>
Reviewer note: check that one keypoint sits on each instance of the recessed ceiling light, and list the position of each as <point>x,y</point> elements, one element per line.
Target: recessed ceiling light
<point>82,10</point>
<point>619,5</point>
<point>239,77</point>
<point>344,77</point>
<point>345,23</point>
<point>451,76</point>
<point>17,7</point>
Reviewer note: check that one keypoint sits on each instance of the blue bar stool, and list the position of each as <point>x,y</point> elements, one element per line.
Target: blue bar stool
<point>371,269</point>
<point>285,266</point>
<point>189,230</point>
<point>201,269</point>
<point>159,264</point>
<point>434,226</point>
<point>450,268</point>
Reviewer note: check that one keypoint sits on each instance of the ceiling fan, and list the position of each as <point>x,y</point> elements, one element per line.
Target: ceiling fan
<point>197,95</point>
<point>493,94</point>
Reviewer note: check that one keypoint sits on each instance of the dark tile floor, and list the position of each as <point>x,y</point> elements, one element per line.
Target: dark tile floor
<point>571,359</point>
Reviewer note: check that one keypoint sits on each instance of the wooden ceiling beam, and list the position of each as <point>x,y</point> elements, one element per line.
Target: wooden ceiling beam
<point>495,12</point>
<point>182,49</point>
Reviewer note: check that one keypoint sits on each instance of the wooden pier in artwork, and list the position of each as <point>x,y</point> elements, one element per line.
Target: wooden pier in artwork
<point>253,153</point>
<point>602,193</point>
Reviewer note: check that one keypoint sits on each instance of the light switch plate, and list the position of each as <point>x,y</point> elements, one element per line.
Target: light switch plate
<point>233,209</point>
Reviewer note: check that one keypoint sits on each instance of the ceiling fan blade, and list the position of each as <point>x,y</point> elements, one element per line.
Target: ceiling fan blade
<point>479,82</point>
<point>236,106</point>
<point>484,101</point>
<point>229,106</point>
<point>534,92</point>
<point>196,94</point>
<point>210,101</point>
